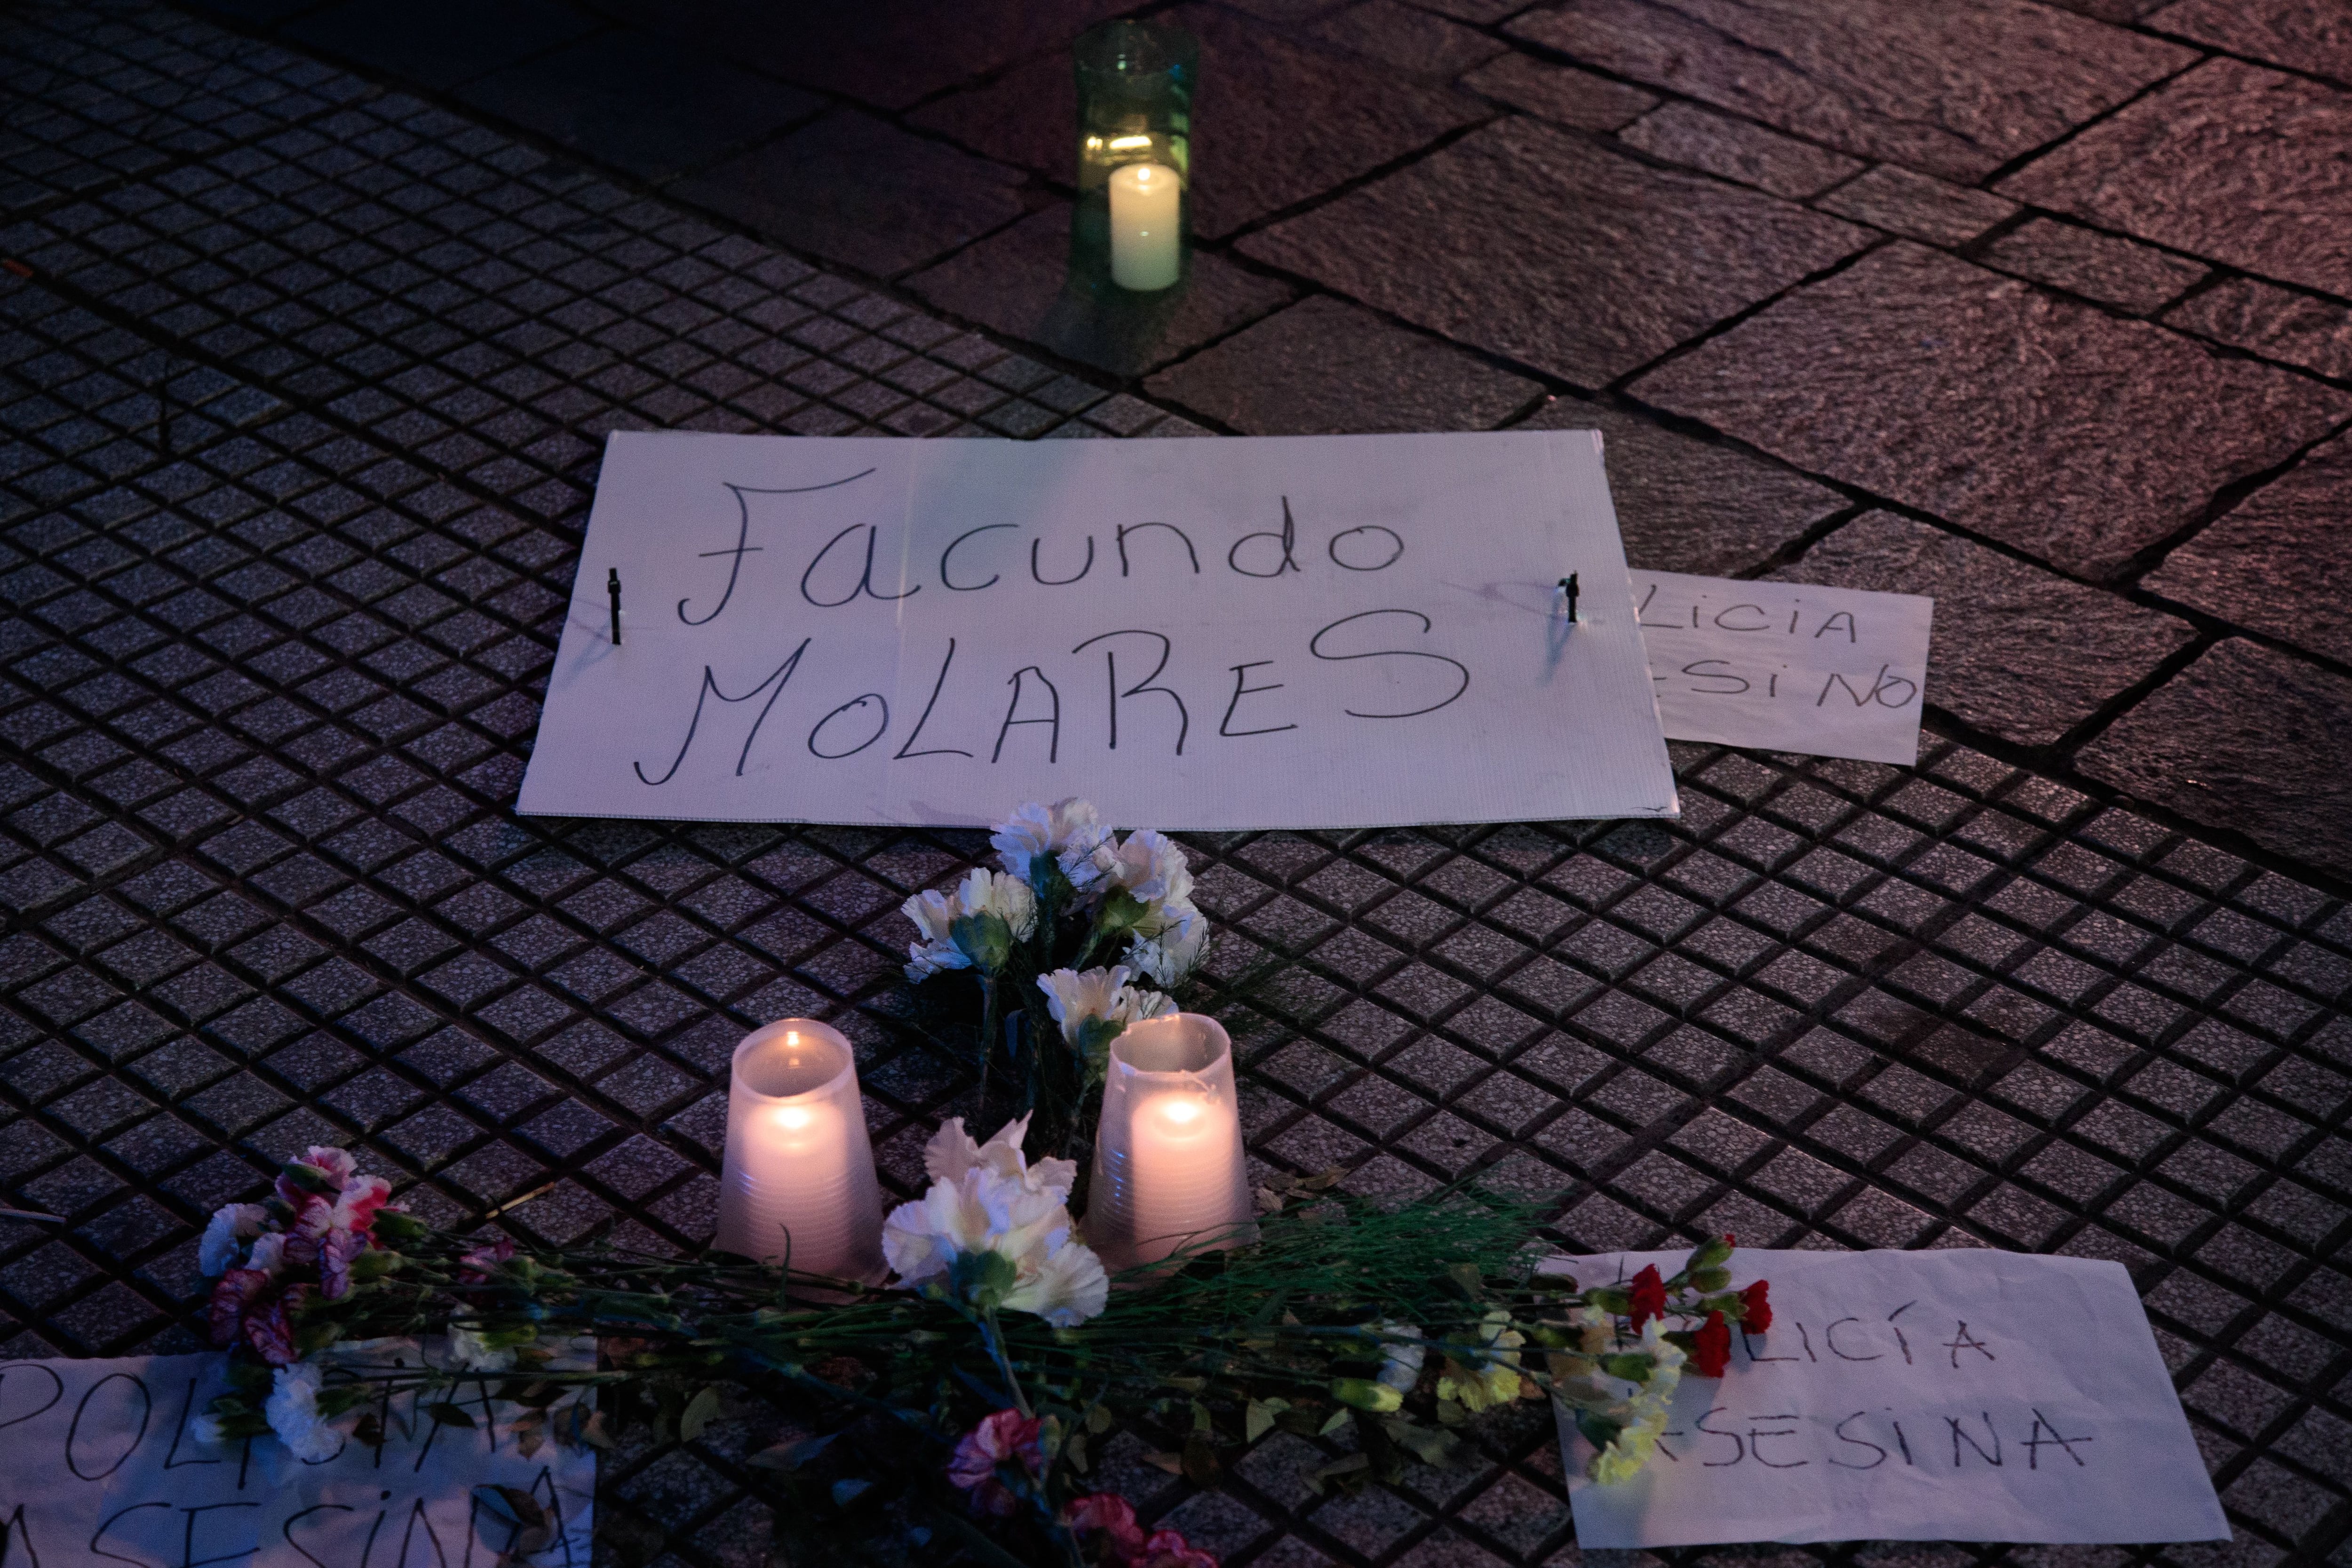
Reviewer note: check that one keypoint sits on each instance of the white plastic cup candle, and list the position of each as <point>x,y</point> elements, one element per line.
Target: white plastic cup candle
<point>1168,1172</point>
<point>1146,234</point>
<point>798,1178</point>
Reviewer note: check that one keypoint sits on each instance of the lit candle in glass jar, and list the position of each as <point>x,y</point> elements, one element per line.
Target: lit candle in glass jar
<point>1168,1173</point>
<point>1146,234</point>
<point>798,1177</point>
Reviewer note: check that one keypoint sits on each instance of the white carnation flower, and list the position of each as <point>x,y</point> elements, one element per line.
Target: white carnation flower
<point>293,1413</point>
<point>468,1352</point>
<point>1066,830</point>
<point>207,1430</point>
<point>1175,951</point>
<point>1401,1361</point>
<point>269,1253</point>
<point>982,892</point>
<point>1150,866</point>
<point>1074,997</point>
<point>225,1234</point>
<point>1067,1288</point>
<point>986,1197</point>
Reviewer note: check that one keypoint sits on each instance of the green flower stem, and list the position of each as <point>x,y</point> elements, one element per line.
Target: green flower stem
<point>994,1337</point>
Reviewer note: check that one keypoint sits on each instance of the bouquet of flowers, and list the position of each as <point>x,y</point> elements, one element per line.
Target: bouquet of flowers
<point>1032,938</point>
<point>1001,1352</point>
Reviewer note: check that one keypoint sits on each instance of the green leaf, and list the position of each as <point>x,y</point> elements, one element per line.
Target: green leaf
<point>1099,1419</point>
<point>1427,1443</point>
<point>1632,1368</point>
<point>511,1505</point>
<point>984,938</point>
<point>699,1413</point>
<point>1339,1418</point>
<point>1201,1467</point>
<point>846,1491</point>
<point>448,1415</point>
<point>1094,1038</point>
<point>792,1456</point>
<point>1599,1430</point>
<point>1257,1420</point>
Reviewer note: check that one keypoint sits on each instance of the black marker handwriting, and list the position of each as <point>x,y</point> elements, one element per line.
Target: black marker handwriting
<point>1126,528</point>
<point>742,538</point>
<point>908,749</point>
<point>1036,544</point>
<point>854,704</point>
<point>1110,657</point>
<point>1315,646</point>
<point>1287,538</point>
<point>954,586</point>
<point>1054,744</point>
<point>780,677</point>
<point>865,578</point>
<point>1242,690</point>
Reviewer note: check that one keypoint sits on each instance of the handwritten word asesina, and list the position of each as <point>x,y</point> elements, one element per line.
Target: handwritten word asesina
<point>1108,681</point>
<point>1941,1423</point>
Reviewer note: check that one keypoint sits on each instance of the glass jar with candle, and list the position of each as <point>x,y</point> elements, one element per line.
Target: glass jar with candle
<point>798,1178</point>
<point>1136,81</point>
<point>1168,1174</point>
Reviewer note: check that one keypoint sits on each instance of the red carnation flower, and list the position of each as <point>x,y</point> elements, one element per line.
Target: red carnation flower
<point>1649,1297</point>
<point>1711,1346</point>
<point>1754,1309</point>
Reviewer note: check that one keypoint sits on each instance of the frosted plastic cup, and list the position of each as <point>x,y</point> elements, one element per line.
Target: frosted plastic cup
<point>1168,1174</point>
<point>798,1182</point>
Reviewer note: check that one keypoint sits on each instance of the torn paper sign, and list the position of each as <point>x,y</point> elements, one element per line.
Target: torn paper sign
<point>1946,1395</point>
<point>1787,667</point>
<point>102,1459</point>
<point>1329,631</point>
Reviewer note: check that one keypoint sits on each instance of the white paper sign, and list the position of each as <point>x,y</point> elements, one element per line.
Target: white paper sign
<point>1308,632</point>
<point>99,1460</point>
<point>1945,1396</point>
<point>1787,667</point>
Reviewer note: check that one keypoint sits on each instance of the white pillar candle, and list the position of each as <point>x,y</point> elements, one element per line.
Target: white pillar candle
<point>798,1177</point>
<point>1168,1170</point>
<point>1147,235</point>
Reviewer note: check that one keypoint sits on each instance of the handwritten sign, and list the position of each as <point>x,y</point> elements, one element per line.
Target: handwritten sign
<point>100,1459</point>
<point>1306,632</point>
<point>1787,667</point>
<point>1961,1396</point>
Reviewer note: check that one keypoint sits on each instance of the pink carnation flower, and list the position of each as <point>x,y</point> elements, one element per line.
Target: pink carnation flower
<point>1007,1437</point>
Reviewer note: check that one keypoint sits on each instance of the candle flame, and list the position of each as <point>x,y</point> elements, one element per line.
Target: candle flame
<point>1128,143</point>
<point>792,1118</point>
<point>1181,1111</point>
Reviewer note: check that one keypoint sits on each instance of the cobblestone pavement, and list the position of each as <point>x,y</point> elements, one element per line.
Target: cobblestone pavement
<point>303,369</point>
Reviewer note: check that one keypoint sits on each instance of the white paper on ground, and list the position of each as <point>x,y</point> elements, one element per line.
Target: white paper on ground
<point>1787,667</point>
<point>1959,1395</point>
<point>101,1458</point>
<point>1297,632</point>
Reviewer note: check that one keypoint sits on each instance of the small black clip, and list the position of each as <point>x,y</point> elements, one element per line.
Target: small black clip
<point>1567,594</point>
<point>613,587</point>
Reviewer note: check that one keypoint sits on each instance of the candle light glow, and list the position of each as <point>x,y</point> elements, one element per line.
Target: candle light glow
<point>799,1173</point>
<point>1167,1152</point>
